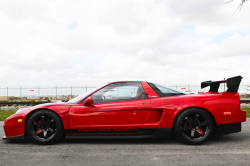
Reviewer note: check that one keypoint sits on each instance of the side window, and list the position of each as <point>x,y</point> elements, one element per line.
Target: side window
<point>120,92</point>
<point>163,91</point>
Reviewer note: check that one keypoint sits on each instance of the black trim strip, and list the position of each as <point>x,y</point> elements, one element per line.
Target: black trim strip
<point>228,128</point>
<point>110,131</point>
<point>143,133</point>
<point>20,137</point>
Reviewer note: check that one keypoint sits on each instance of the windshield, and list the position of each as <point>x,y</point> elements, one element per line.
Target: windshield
<point>82,96</point>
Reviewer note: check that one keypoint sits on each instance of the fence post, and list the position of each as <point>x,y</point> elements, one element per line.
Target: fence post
<point>71,91</point>
<point>176,86</point>
<point>7,93</point>
<point>38,93</point>
<point>20,91</point>
<point>224,85</point>
<point>86,88</point>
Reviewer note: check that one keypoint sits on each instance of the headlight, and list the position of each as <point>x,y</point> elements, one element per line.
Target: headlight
<point>20,109</point>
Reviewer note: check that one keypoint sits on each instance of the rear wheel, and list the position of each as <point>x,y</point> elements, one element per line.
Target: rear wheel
<point>194,126</point>
<point>44,127</point>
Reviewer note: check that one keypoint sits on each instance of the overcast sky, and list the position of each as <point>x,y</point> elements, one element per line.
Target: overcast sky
<point>57,42</point>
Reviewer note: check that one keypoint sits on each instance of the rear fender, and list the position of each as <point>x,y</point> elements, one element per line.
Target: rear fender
<point>224,107</point>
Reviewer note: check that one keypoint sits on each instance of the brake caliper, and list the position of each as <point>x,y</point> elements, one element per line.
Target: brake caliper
<point>186,124</point>
<point>39,122</point>
<point>199,131</point>
<point>38,130</point>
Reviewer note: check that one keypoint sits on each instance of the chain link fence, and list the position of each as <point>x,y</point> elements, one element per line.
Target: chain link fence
<point>54,93</point>
<point>58,93</point>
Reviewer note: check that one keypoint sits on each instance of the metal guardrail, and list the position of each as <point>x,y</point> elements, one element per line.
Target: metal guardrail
<point>244,100</point>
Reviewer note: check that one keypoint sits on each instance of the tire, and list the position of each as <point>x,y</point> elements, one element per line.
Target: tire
<point>44,127</point>
<point>194,126</point>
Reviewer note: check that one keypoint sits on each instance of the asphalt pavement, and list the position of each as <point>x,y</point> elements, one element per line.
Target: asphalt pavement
<point>226,150</point>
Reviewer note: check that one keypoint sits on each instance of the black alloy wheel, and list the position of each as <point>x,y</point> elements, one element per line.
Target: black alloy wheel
<point>44,127</point>
<point>194,126</point>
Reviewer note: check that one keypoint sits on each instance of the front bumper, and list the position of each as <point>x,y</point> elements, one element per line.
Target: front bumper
<point>13,131</point>
<point>13,128</point>
<point>20,137</point>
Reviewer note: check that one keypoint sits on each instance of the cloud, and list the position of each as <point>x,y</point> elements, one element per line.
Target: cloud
<point>95,42</point>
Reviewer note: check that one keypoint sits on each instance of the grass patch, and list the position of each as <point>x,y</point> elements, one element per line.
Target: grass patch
<point>247,110</point>
<point>5,114</point>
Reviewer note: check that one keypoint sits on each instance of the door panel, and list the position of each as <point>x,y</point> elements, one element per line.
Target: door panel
<point>111,113</point>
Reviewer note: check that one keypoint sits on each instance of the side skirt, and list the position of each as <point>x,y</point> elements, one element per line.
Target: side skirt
<point>20,137</point>
<point>142,133</point>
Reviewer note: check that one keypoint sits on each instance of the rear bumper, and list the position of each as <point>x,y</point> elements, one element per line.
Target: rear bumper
<point>228,128</point>
<point>20,137</point>
<point>242,116</point>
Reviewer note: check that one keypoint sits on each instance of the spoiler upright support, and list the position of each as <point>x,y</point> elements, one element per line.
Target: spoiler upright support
<point>233,84</point>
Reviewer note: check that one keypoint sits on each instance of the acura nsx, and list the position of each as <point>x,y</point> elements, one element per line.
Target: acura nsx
<point>133,109</point>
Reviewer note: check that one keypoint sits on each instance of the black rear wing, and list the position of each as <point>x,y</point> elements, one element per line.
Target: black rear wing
<point>232,84</point>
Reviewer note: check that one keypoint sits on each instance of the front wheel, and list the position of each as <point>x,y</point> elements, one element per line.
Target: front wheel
<point>44,127</point>
<point>194,126</point>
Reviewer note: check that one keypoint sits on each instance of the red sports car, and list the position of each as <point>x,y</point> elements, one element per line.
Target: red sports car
<point>133,109</point>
